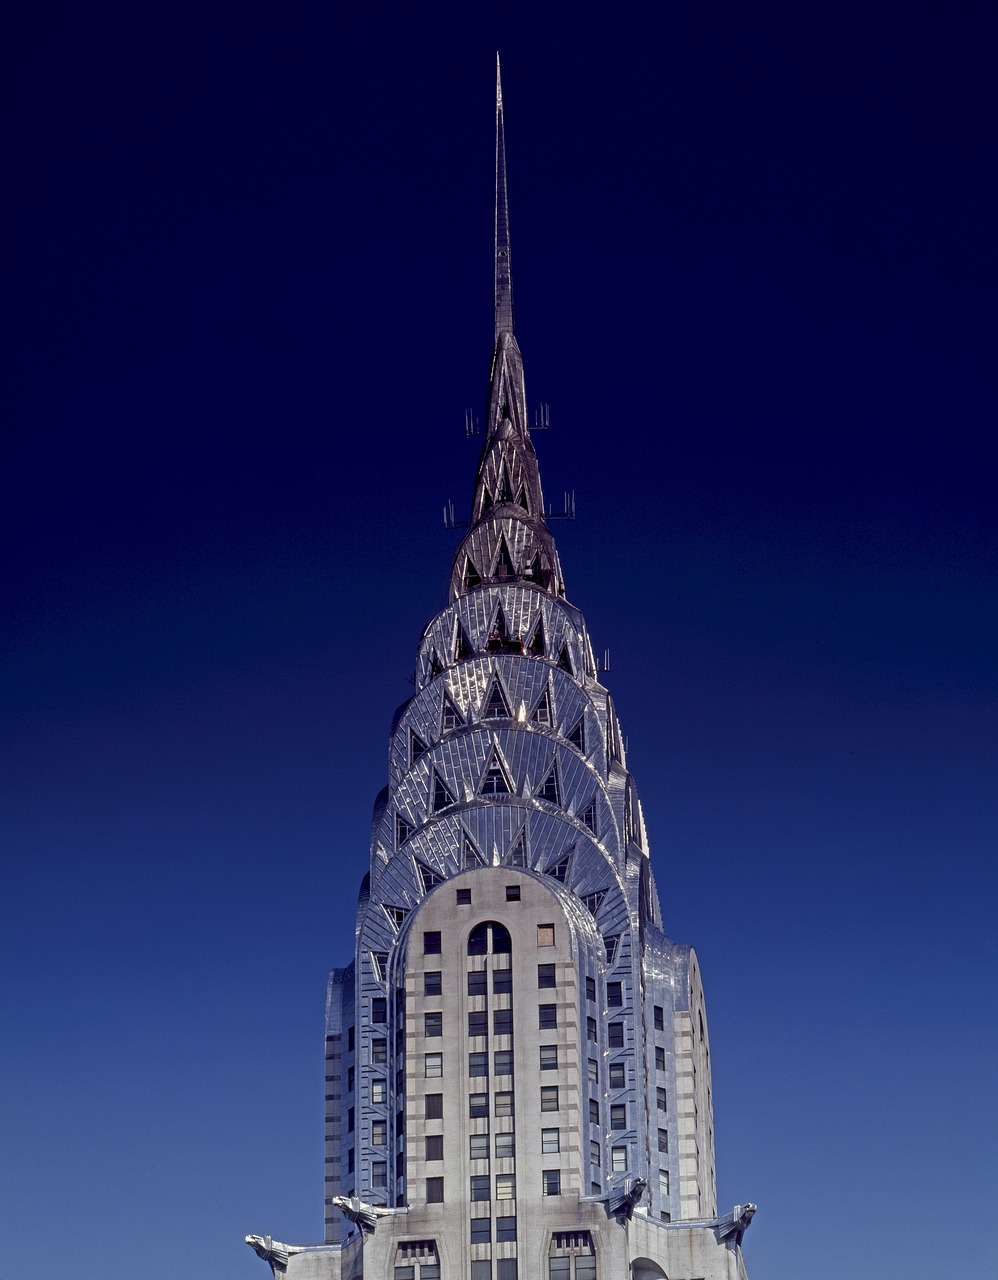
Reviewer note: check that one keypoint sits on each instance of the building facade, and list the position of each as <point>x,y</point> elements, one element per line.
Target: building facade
<point>518,1073</point>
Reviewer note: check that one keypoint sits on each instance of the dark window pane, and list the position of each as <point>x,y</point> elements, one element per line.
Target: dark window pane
<point>435,1147</point>
<point>502,981</point>
<point>502,1022</point>
<point>434,1106</point>
<point>478,1024</point>
<point>615,1035</point>
<point>614,995</point>
<point>506,1228</point>
<point>545,975</point>
<point>434,1190</point>
<point>478,983</point>
<point>433,1024</point>
<point>478,1064</point>
<point>547,1016</point>
<point>431,983</point>
<point>478,1104</point>
<point>431,942</point>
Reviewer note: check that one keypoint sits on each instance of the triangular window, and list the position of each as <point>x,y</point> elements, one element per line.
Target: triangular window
<point>503,492</point>
<point>403,830</point>
<point>611,944</point>
<point>486,499</point>
<point>499,635</point>
<point>559,870</point>
<point>565,660</point>
<point>417,747</point>
<point>504,570</point>
<point>534,572</point>
<point>435,665</point>
<point>537,640</point>
<point>396,915</point>
<point>588,816</point>
<point>379,960</point>
<point>427,876</point>
<point>593,901</point>
<point>550,789</point>
<point>472,578</point>
<point>541,714</point>
<point>450,717</point>
<point>521,499</point>
<point>471,856</point>
<point>496,706</point>
<point>495,781</point>
<point>441,796</point>
<point>517,856</point>
<point>577,736</point>
<point>462,645</point>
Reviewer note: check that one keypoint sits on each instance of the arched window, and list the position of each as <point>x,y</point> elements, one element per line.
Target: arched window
<point>489,938</point>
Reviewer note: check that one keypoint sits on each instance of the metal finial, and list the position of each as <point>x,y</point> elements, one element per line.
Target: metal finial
<point>504,285</point>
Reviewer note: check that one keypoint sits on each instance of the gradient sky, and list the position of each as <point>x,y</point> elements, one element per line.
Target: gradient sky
<point>754,275</point>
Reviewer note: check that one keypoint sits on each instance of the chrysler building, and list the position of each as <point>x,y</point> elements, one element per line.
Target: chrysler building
<point>518,1075</point>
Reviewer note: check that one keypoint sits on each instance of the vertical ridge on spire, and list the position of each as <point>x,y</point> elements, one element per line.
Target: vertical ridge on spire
<point>504,284</point>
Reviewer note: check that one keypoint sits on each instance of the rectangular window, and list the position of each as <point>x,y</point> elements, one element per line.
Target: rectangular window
<point>431,942</point>
<point>549,1057</point>
<point>659,1058</point>
<point>505,1186</point>
<point>432,985</point>
<point>349,1039</point>
<point>659,1018</point>
<point>351,1077</point>
<point>595,1153</point>
<point>502,982</point>
<point>379,1052</point>
<point>618,1115</point>
<point>379,1133</point>
<point>504,1104</point>
<point>593,1071</point>
<point>552,1182</point>
<point>591,1030</point>
<point>663,1139</point>
<point>547,1017</point>
<point>379,1091</point>
<point>502,1022</point>
<point>505,1146</point>
<point>663,1182</point>
<point>379,1174</point>
<point>478,1024</point>
<point>405,1273</point>
<point>559,1268</point>
<point>433,1024</point>
<point>434,1190</point>
<point>618,1159</point>
<point>661,1100</point>
<point>350,1161</point>
<point>435,1147</point>
<point>590,988</point>
<point>618,1073</point>
<point>585,1267</point>
<point>350,1120</point>
<point>545,935</point>
<point>478,983</point>
<point>478,1104</point>
<point>463,897</point>
<point>506,1269</point>
<point>593,1111</point>
<point>433,1065</point>
<point>504,1062</point>
<point>481,1230</point>
<point>434,1106</point>
<point>379,1009</point>
<point>481,1268</point>
<point>545,976</point>
<point>512,893</point>
<point>614,995</point>
<point>478,1146</point>
<point>615,1035</point>
<point>478,1064</point>
<point>550,1144</point>
<point>549,1097</point>
<point>480,1186</point>
<point>505,1228</point>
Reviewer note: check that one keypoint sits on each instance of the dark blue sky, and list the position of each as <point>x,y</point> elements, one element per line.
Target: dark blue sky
<point>249,253</point>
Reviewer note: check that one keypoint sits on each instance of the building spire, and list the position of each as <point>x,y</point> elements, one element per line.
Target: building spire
<point>508,539</point>
<point>504,283</point>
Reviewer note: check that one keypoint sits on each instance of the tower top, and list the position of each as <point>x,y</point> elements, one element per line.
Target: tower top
<point>504,283</point>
